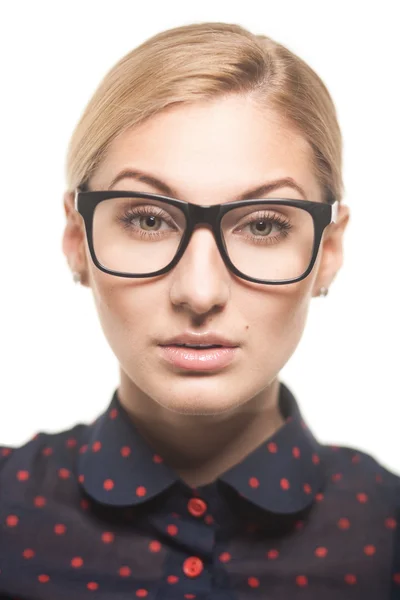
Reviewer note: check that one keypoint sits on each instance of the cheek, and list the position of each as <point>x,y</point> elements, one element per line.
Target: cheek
<point>277,319</point>
<point>124,312</point>
<point>275,329</point>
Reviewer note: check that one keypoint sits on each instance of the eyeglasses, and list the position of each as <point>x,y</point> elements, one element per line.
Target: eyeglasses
<point>138,234</point>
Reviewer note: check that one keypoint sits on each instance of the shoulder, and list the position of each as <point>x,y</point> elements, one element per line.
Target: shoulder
<point>33,460</point>
<point>355,460</point>
<point>368,495</point>
<point>354,471</point>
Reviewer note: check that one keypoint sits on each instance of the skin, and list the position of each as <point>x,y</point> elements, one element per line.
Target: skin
<point>210,152</point>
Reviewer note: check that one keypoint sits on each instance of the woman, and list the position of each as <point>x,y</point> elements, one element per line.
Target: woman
<point>204,210</point>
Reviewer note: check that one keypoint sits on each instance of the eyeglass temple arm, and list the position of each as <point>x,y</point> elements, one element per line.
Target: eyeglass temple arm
<point>335,212</point>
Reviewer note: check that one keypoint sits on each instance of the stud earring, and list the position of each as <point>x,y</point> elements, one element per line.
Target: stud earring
<point>76,277</point>
<point>323,291</point>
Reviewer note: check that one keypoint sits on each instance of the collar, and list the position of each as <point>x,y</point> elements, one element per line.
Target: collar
<point>117,466</point>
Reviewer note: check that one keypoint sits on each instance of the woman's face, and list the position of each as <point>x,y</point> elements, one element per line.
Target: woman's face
<point>209,153</point>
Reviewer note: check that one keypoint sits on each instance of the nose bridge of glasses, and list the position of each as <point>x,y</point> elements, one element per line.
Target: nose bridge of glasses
<point>202,215</point>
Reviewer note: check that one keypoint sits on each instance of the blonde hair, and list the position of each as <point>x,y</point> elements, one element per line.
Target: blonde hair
<point>201,61</point>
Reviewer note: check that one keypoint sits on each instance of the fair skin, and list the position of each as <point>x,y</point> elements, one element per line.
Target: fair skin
<point>203,424</point>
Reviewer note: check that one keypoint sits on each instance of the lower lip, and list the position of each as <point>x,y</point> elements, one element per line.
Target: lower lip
<point>208,359</point>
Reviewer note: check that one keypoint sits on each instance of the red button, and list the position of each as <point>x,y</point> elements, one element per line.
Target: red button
<point>193,566</point>
<point>197,507</point>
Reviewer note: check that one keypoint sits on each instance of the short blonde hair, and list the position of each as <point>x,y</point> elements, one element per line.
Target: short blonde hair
<point>203,61</point>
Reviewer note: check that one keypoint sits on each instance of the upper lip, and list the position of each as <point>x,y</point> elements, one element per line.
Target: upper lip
<point>200,338</point>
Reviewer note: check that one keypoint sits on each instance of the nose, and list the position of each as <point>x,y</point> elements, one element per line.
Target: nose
<point>200,281</point>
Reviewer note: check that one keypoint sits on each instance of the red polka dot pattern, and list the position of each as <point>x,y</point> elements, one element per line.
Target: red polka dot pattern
<point>95,512</point>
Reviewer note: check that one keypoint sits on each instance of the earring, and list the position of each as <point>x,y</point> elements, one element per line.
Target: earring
<point>323,291</point>
<point>76,277</point>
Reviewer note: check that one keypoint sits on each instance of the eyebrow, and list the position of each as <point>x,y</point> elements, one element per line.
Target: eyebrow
<point>165,189</point>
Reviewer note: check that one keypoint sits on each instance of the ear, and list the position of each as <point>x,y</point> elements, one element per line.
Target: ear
<point>331,250</point>
<point>74,237</point>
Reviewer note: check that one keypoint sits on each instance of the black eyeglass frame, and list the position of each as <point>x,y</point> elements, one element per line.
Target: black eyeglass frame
<point>323,214</point>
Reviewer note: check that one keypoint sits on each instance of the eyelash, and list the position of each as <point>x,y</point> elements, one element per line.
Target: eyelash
<point>154,211</point>
<point>283,223</point>
<point>143,211</point>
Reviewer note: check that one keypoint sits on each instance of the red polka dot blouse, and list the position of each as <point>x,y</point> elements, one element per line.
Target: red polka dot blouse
<point>92,512</point>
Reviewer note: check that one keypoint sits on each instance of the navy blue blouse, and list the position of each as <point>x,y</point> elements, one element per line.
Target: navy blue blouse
<point>93,512</point>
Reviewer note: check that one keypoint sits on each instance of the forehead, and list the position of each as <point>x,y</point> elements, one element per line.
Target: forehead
<point>209,148</point>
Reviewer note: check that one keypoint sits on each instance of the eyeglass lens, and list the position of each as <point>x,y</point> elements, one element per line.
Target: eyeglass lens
<point>142,235</point>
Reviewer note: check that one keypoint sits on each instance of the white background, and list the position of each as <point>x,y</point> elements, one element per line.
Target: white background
<point>56,366</point>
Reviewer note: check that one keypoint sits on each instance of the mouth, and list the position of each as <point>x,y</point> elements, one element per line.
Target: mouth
<point>198,357</point>
<point>198,346</point>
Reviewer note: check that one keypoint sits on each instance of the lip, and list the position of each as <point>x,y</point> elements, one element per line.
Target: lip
<point>210,338</point>
<point>191,359</point>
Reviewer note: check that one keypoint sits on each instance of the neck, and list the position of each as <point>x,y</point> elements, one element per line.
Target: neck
<point>201,447</point>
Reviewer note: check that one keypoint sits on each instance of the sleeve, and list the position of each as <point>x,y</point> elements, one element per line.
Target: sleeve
<point>5,454</point>
<point>395,573</point>
<point>12,459</point>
